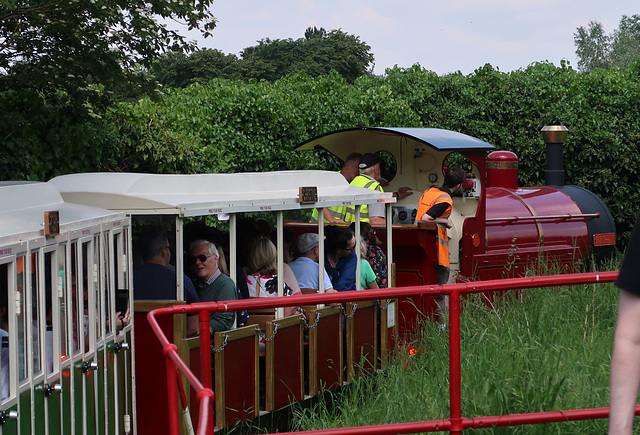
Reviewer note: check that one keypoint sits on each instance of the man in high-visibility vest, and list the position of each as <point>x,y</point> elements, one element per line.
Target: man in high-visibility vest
<point>435,206</point>
<point>336,215</point>
<point>370,173</point>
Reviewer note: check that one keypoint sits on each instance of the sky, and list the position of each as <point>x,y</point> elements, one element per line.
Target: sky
<point>442,36</point>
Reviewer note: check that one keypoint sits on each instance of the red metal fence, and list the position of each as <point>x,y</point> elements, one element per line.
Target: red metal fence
<point>455,424</point>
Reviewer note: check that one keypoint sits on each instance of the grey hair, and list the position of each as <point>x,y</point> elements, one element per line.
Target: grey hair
<point>210,247</point>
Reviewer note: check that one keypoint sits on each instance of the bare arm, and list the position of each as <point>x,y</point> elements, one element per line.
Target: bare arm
<point>377,221</point>
<point>193,325</point>
<point>329,217</point>
<point>444,221</point>
<point>625,365</point>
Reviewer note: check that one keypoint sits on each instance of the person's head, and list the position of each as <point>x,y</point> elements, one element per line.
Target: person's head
<point>370,165</point>
<point>154,246</point>
<point>454,178</point>
<point>307,245</point>
<point>204,255</point>
<point>350,169</point>
<point>367,232</point>
<point>262,257</point>
<point>340,241</point>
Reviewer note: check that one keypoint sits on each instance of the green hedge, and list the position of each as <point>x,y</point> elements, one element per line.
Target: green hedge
<point>233,126</point>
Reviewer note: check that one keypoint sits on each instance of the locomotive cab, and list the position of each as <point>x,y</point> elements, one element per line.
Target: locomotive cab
<point>418,158</point>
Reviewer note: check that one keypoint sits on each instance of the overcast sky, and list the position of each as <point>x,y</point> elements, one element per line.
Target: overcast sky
<point>442,36</point>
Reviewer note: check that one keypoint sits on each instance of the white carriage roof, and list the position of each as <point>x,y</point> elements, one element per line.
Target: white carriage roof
<point>206,194</point>
<point>22,208</point>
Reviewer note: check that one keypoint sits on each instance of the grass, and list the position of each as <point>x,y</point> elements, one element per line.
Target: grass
<point>546,349</point>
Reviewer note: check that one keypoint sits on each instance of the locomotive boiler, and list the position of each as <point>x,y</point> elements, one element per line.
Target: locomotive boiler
<point>499,229</point>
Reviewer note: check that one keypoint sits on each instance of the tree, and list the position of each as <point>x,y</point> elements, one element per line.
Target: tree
<point>596,49</point>
<point>74,45</point>
<point>317,53</point>
<point>177,70</point>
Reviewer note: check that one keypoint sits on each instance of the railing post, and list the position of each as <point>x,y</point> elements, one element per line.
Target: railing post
<point>205,358</point>
<point>172,389</point>
<point>455,391</point>
<point>205,348</point>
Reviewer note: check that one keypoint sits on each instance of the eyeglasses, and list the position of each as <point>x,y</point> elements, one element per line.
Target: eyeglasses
<point>200,257</point>
<point>349,249</point>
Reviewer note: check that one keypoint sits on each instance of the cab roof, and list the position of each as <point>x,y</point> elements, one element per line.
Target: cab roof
<point>387,138</point>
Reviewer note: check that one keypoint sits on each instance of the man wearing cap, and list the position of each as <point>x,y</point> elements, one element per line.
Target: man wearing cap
<point>306,267</point>
<point>336,215</point>
<point>370,172</point>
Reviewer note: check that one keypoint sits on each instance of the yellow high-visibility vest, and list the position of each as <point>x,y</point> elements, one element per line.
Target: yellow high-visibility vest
<point>367,183</point>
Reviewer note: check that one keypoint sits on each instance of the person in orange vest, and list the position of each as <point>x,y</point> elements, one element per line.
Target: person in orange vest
<point>435,206</point>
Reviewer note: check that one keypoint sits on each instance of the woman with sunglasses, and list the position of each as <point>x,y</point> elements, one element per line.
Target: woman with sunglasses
<point>340,258</point>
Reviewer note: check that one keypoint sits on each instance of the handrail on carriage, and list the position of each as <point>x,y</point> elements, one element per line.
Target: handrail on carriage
<point>455,424</point>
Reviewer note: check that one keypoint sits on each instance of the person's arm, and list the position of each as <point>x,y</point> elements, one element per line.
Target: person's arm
<point>444,221</point>
<point>193,325</point>
<point>403,192</point>
<point>290,279</point>
<point>329,217</point>
<point>625,365</point>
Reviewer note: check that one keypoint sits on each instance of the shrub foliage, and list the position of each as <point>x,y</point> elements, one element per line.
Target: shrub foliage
<point>231,126</point>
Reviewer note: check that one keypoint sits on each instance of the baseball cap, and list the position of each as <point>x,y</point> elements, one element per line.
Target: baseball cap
<point>307,241</point>
<point>368,160</point>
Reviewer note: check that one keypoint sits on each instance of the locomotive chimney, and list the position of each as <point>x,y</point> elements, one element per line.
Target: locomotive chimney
<point>554,136</point>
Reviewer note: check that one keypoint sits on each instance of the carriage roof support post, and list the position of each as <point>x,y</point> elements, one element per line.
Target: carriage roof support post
<point>388,222</point>
<point>321,253</point>
<point>357,248</point>
<point>280,253</point>
<point>178,260</point>
<point>232,261</point>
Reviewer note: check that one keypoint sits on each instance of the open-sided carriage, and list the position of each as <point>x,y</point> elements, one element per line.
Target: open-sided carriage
<point>176,200</point>
<point>66,363</point>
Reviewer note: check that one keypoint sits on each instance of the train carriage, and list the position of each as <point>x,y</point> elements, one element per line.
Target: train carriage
<point>65,365</point>
<point>173,200</point>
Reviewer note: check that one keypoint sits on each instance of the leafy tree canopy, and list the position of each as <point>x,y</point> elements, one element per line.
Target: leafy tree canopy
<point>596,49</point>
<point>73,45</point>
<point>318,53</point>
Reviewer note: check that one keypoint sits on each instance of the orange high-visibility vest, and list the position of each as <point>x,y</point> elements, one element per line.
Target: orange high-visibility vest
<point>430,198</point>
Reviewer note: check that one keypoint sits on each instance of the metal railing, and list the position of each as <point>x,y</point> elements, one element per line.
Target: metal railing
<point>455,424</point>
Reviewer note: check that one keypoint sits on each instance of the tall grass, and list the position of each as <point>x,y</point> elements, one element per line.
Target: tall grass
<point>537,350</point>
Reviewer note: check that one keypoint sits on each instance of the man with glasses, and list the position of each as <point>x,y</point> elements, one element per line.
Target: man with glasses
<point>155,280</point>
<point>213,285</point>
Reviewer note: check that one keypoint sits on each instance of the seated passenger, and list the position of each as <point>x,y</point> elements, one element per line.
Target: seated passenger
<point>155,280</point>
<point>261,273</point>
<point>305,267</point>
<point>212,285</point>
<point>340,258</point>
<point>367,276</point>
<point>374,255</point>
